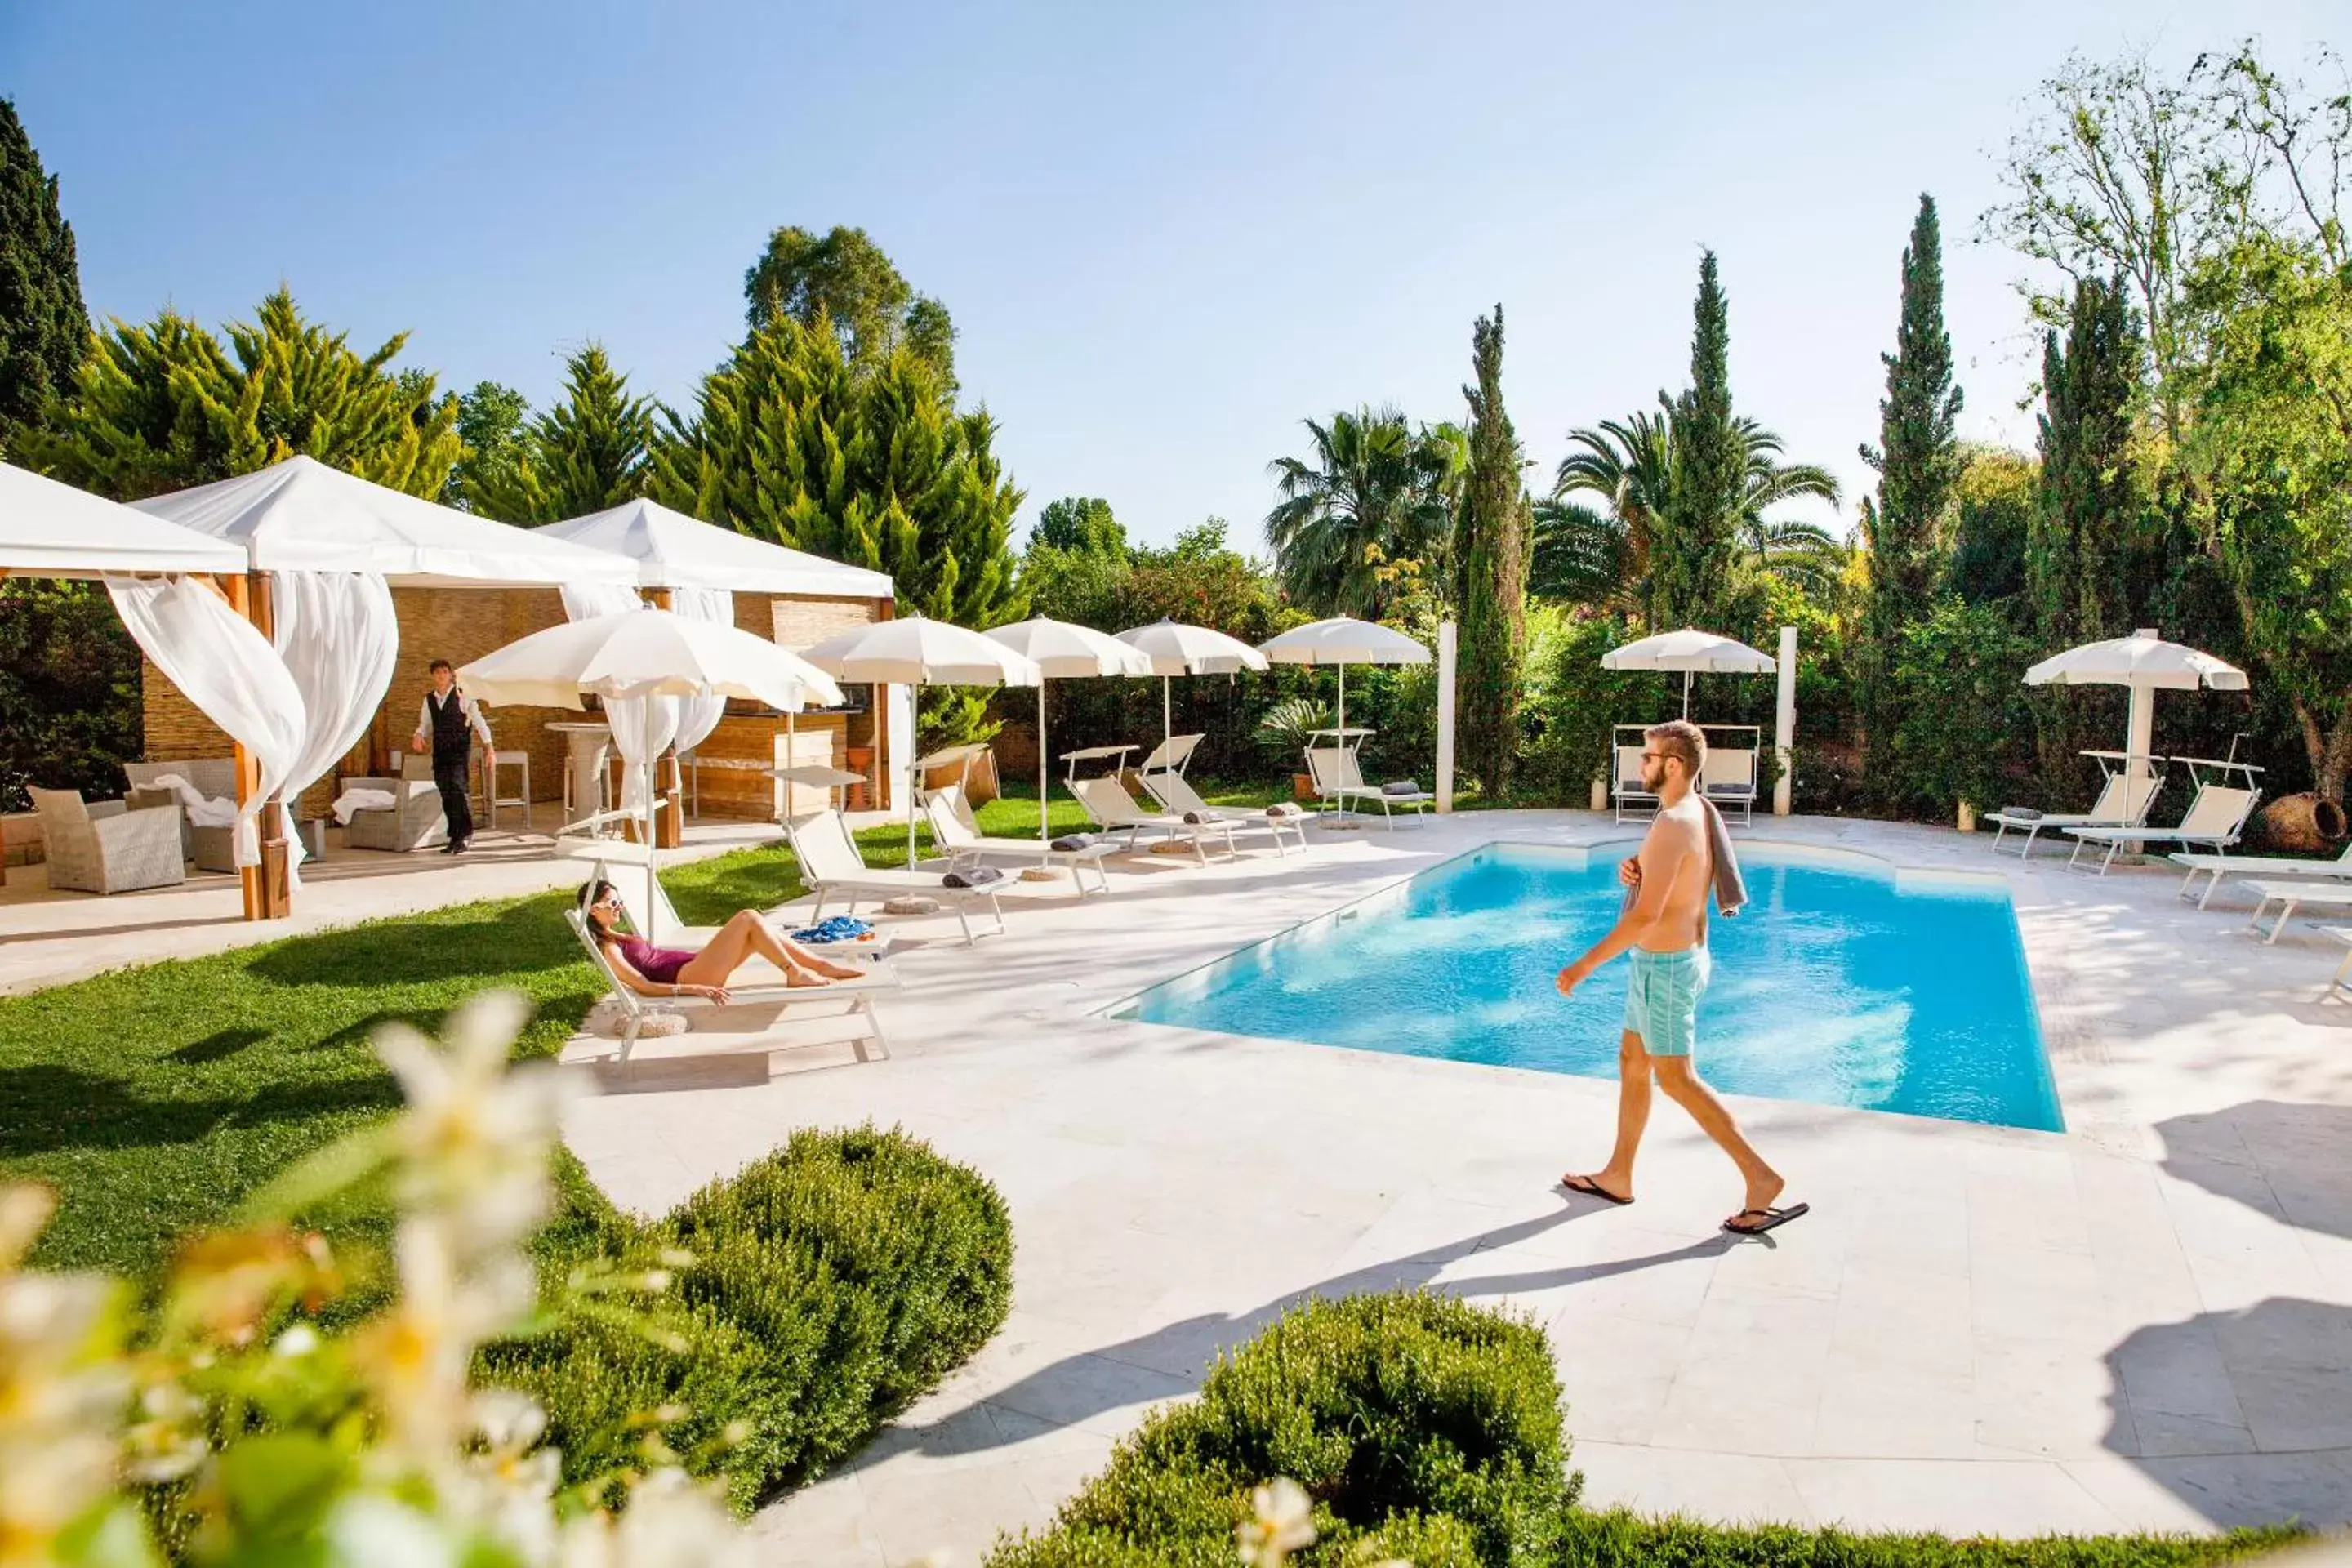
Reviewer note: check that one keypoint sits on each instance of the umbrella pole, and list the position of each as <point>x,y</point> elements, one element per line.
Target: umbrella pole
<point>1045,832</point>
<point>914,729</point>
<point>1167,714</point>
<point>1686,674</point>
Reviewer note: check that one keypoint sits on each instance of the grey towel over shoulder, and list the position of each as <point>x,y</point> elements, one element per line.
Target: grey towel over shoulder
<point>1730,888</point>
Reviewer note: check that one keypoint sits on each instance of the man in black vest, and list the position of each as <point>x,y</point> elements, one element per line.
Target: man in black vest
<point>448,721</point>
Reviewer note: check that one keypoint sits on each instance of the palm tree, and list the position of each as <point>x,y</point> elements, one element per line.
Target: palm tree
<point>1371,495</point>
<point>1601,555</point>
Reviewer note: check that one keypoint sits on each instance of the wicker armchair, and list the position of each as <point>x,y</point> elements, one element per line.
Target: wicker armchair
<point>212,849</point>
<point>416,823</point>
<point>106,848</point>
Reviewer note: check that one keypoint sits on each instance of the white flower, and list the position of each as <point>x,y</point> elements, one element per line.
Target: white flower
<point>669,1522</point>
<point>1284,1522</point>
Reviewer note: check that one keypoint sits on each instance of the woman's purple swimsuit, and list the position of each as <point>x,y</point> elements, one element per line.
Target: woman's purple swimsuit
<point>659,964</point>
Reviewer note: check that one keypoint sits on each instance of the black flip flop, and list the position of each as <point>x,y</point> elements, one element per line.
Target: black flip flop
<point>1773,1219</point>
<point>1587,1187</point>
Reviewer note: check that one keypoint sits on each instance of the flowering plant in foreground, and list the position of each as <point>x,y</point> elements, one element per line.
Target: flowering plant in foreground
<point>274,1438</point>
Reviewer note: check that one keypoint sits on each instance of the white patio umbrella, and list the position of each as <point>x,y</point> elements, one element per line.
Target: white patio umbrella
<point>645,653</point>
<point>1342,640</point>
<point>1065,652</point>
<point>917,652</point>
<point>2145,663</point>
<point>1176,648</point>
<point>1692,652</point>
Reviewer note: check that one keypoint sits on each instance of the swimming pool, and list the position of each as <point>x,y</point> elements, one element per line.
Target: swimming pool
<point>1845,982</point>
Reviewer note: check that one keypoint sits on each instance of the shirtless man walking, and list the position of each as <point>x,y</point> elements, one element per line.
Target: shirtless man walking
<point>1664,927</point>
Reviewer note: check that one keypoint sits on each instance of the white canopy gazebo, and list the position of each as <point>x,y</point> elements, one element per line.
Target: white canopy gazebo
<point>52,530</point>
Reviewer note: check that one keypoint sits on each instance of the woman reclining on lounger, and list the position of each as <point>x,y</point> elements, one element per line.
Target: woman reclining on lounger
<point>652,970</point>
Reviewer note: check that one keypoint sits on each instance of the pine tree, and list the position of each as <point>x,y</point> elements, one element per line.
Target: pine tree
<point>879,471</point>
<point>164,406</point>
<point>587,453</point>
<point>1918,464</point>
<point>2088,501</point>
<point>43,329</point>
<point>1490,558</point>
<point>1700,521</point>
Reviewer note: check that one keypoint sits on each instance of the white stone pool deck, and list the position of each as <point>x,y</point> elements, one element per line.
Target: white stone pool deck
<point>2143,1323</point>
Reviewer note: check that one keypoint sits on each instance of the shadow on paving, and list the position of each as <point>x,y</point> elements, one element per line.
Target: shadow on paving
<point>2245,1417</point>
<point>2290,1162</point>
<point>1078,1386</point>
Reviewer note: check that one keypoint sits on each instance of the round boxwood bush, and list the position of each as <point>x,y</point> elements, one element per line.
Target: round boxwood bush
<point>831,1283</point>
<point>1422,1427</point>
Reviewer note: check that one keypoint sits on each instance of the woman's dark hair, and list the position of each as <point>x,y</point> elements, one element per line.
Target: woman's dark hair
<point>592,893</point>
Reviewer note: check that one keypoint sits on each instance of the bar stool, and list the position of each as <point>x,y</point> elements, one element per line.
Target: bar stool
<point>496,760</point>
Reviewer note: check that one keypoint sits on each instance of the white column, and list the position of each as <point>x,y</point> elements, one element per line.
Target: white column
<point>898,719</point>
<point>1445,716</point>
<point>1784,726</point>
<point>2139,750</point>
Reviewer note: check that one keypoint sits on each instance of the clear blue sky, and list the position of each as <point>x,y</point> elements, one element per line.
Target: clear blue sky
<point>1167,233</point>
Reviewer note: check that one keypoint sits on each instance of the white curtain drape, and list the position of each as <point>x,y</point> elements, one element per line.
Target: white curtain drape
<point>583,600</point>
<point>338,635</point>
<point>228,669</point>
<point>643,727</point>
<point>701,715</point>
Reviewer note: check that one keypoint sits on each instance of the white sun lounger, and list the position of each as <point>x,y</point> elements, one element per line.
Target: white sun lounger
<point>830,864</point>
<point>1338,778</point>
<point>2121,804</point>
<point>1172,789</point>
<point>2215,819</point>
<point>2216,866</point>
<point>2291,895</point>
<point>635,1008</point>
<point>965,846</point>
<point>2344,935</point>
<point>1115,811</point>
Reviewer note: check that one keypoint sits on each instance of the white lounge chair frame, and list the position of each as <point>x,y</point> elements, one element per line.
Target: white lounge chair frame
<point>2121,804</point>
<point>1172,789</point>
<point>1114,810</point>
<point>1172,755</point>
<point>830,865</point>
<point>963,845</point>
<point>2289,897</point>
<point>2216,867</point>
<point>636,1008</point>
<point>1338,776</point>
<point>2216,816</point>
<point>1728,777</point>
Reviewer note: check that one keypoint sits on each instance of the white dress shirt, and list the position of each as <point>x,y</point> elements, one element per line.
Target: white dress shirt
<point>471,709</point>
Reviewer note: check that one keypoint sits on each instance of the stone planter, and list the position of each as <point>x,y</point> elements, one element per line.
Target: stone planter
<point>1967,817</point>
<point>2302,823</point>
<point>1600,794</point>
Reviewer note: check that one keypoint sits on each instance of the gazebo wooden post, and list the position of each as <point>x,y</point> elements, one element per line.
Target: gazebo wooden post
<point>878,710</point>
<point>267,894</point>
<point>669,811</point>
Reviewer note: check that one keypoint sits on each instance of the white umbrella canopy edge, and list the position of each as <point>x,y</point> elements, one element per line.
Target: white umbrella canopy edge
<point>1690,652</point>
<point>1343,640</point>
<point>914,650</point>
<point>1064,651</point>
<point>2145,663</point>
<point>1177,647</point>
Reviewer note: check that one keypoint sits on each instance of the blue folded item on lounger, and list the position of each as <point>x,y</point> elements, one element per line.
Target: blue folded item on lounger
<point>834,928</point>
<point>1074,841</point>
<point>1401,786</point>
<point>978,876</point>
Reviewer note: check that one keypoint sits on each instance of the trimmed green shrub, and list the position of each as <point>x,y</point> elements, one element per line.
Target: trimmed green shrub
<point>1422,1427</point>
<point>1617,1538</point>
<point>830,1283</point>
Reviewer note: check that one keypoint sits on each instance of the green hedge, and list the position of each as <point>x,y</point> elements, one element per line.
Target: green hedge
<point>1422,1427</point>
<point>831,1283</point>
<point>1620,1540</point>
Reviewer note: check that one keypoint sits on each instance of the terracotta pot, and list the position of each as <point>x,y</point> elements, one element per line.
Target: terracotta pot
<point>1302,786</point>
<point>2302,823</point>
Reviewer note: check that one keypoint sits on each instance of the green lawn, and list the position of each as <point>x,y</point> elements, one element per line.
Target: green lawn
<point>154,1099</point>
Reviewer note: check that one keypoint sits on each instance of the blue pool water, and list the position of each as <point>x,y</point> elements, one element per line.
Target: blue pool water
<point>1844,983</point>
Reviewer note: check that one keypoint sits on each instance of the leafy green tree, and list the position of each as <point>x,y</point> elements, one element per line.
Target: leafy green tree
<point>1919,461</point>
<point>844,278</point>
<point>1368,498</point>
<point>1491,556</point>
<point>44,328</point>
<point>1080,523</point>
<point>162,407</point>
<point>68,690</point>
<point>587,453</point>
<point>1691,557</point>
<point>1992,516</point>
<point>879,471</point>
<point>1959,708</point>
<point>490,422</point>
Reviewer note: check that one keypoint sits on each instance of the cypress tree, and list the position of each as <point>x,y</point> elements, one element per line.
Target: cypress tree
<point>587,453</point>
<point>2087,501</point>
<point>1490,557</point>
<point>1693,554</point>
<point>1918,464</point>
<point>43,329</point>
